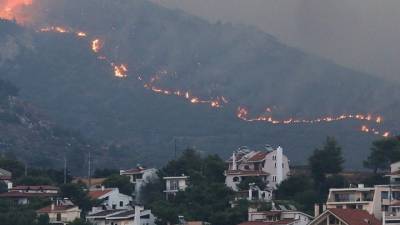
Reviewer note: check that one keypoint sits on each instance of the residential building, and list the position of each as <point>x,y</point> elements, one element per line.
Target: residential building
<point>279,217</point>
<point>375,201</point>
<point>345,217</point>
<point>136,216</point>
<point>5,176</point>
<point>139,176</point>
<point>175,184</point>
<point>111,199</point>
<point>61,212</point>
<point>271,165</point>
<point>22,194</point>
<point>394,173</point>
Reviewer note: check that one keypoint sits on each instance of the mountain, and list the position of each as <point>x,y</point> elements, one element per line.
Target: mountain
<point>61,75</point>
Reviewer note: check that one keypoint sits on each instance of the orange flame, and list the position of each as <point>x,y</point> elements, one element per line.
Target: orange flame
<point>96,45</point>
<point>120,70</point>
<point>9,9</point>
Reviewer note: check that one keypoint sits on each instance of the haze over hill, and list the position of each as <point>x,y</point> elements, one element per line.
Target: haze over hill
<point>77,89</point>
<point>362,34</point>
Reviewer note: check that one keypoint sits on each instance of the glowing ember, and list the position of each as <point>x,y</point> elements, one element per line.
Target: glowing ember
<point>81,34</point>
<point>96,45</point>
<point>120,70</point>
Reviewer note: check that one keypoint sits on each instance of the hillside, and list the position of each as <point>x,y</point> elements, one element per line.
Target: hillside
<point>59,74</point>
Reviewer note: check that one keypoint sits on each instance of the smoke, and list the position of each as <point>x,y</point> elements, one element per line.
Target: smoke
<point>11,46</point>
<point>362,34</point>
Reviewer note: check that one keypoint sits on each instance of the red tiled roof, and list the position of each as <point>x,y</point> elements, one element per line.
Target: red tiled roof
<point>17,194</point>
<point>95,194</point>
<point>281,222</point>
<point>136,170</point>
<point>5,178</point>
<point>259,156</point>
<point>355,216</point>
<point>246,173</point>
<point>42,187</point>
<point>57,208</point>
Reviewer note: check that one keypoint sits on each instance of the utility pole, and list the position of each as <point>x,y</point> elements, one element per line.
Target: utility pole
<point>175,148</point>
<point>65,170</point>
<point>89,169</point>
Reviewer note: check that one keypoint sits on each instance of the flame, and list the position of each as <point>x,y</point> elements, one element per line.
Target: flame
<point>96,45</point>
<point>120,70</point>
<point>9,9</point>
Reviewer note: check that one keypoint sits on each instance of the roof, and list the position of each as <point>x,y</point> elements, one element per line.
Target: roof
<point>259,156</point>
<point>17,194</point>
<point>95,194</point>
<point>176,178</point>
<point>246,173</point>
<point>35,188</point>
<point>355,216</point>
<point>123,215</point>
<point>105,213</point>
<point>5,175</point>
<point>280,222</point>
<point>137,170</point>
<point>57,208</point>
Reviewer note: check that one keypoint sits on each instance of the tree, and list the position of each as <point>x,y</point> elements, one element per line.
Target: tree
<point>328,160</point>
<point>383,153</point>
<point>3,187</point>
<point>15,167</point>
<point>100,173</point>
<point>29,180</point>
<point>78,196</point>
<point>246,181</point>
<point>121,182</point>
<point>80,222</point>
<point>43,219</point>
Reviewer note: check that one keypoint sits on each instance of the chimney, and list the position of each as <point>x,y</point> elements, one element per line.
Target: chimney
<point>316,210</point>
<point>234,165</point>
<point>52,206</point>
<point>102,187</point>
<point>138,209</point>
<point>279,165</point>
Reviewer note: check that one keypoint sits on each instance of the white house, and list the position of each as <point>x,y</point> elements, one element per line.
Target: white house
<point>272,166</point>
<point>61,212</point>
<point>139,176</point>
<point>394,173</point>
<point>111,199</point>
<point>136,216</point>
<point>279,217</point>
<point>175,184</point>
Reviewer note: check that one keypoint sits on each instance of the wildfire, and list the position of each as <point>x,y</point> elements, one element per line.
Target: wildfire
<point>120,70</point>
<point>96,45</point>
<point>9,9</point>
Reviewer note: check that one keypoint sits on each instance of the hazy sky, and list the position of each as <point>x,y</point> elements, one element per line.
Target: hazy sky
<point>363,34</point>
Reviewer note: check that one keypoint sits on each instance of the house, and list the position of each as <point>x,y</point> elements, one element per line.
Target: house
<point>5,176</point>
<point>272,166</point>
<point>175,184</point>
<point>394,174</point>
<point>111,199</point>
<point>61,212</point>
<point>136,216</point>
<point>345,217</point>
<point>139,176</point>
<point>374,200</point>
<point>279,217</point>
<point>22,194</point>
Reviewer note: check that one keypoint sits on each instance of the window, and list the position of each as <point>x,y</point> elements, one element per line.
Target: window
<point>121,204</point>
<point>274,178</point>
<point>385,195</point>
<point>274,157</point>
<point>246,167</point>
<point>174,185</point>
<point>359,207</point>
<point>114,206</point>
<point>275,165</point>
<point>58,216</point>
<point>235,179</point>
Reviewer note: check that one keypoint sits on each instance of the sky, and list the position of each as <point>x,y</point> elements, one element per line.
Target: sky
<point>361,34</point>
